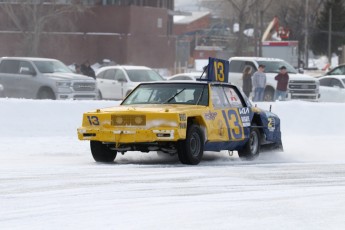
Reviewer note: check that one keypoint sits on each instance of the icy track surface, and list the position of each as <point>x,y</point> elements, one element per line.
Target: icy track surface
<point>48,179</point>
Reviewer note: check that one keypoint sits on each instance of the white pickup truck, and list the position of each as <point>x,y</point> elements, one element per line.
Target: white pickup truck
<point>300,86</point>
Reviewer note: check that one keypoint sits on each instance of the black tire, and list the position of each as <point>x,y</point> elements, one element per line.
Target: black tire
<point>251,149</point>
<point>269,94</point>
<point>191,150</point>
<point>46,94</point>
<point>101,152</point>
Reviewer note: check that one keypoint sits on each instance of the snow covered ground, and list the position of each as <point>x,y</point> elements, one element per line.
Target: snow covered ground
<point>48,179</point>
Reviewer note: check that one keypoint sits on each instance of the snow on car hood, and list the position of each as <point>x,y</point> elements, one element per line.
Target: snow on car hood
<point>68,76</point>
<point>301,77</point>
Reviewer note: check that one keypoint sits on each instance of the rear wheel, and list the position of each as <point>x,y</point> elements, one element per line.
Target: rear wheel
<point>269,94</point>
<point>251,149</point>
<point>191,150</point>
<point>101,152</point>
<point>46,94</point>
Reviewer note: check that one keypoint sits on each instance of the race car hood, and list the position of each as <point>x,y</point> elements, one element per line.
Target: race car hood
<point>68,76</point>
<point>153,108</point>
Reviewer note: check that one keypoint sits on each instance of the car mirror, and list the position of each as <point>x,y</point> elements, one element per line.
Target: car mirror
<point>27,71</point>
<point>121,80</point>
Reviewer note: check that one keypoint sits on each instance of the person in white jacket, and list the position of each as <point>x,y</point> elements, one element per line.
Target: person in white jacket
<point>259,83</point>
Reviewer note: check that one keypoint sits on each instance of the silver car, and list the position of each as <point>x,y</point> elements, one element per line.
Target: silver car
<point>43,78</point>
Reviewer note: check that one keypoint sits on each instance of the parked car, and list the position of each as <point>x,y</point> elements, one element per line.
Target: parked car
<point>116,82</point>
<point>301,86</point>
<point>43,78</point>
<point>338,70</point>
<point>332,88</point>
<point>185,76</point>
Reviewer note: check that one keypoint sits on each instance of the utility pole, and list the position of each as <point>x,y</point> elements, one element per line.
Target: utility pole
<point>257,38</point>
<point>306,35</point>
<point>261,29</point>
<point>330,35</point>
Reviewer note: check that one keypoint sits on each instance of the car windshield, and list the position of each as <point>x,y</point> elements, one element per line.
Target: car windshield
<point>273,66</point>
<point>141,75</point>
<point>172,93</point>
<point>52,66</point>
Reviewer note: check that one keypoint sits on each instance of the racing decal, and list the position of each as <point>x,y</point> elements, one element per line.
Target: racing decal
<point>218,70</point>
<point>182,125</point>
<point>245,116</point>
<point>93,120</point>
<point>232,96</point>
<point>183,117</point>
<point>271,124</point>
<point>234,124</point>
<point>210,115</point>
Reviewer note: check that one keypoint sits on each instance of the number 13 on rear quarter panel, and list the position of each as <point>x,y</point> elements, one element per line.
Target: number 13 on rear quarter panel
<point>234,124</point>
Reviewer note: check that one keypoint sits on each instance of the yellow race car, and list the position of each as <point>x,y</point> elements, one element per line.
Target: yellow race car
<point>184,118</point>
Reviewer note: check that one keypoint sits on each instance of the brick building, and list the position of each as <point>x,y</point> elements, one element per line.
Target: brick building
<point>137,32</point>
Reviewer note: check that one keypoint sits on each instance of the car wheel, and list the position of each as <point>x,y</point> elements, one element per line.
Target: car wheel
<point>191,150</point>
<point>46,94</point>
<point>101,152</point>
<point>251,149</point>
<point>269,95</point>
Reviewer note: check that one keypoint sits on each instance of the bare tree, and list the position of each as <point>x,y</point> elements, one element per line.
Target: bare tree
<point>248,11</point>
<point>33,17</point>
<point>298,18</point>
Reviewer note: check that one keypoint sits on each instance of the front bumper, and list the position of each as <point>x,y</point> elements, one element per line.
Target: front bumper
<point>305,97</point>
<point>124,135</point>
<point>77,96</point>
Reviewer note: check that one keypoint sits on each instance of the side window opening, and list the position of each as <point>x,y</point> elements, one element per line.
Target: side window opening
<point>325,82</point>
<point>336,82</point>
<point>25,67</point>
<point>120,76</point>
<point>9,66</point>
<point>219,99</point>
<point>233,97</point>
<point>110,74</point>
<point>236,66</point>
<point>250,64</point>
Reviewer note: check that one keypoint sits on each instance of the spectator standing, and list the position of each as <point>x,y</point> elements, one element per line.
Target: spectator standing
<point>247,81</point>
<point>259,83</point>
<point>77,69</point>
<point>87,70</point>
<point>282,83</point>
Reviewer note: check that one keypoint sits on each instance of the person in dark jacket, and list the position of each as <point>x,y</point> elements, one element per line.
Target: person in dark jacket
<point>247,81</point>
<point>87,70</point>
<point>282,83</point>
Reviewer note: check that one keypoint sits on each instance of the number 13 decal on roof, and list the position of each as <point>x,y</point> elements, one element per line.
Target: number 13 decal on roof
<point>218,70</point>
